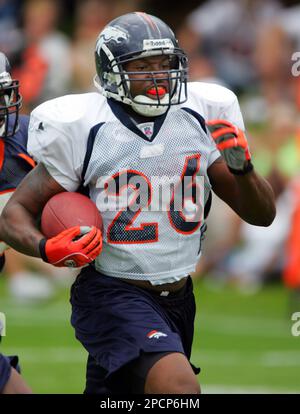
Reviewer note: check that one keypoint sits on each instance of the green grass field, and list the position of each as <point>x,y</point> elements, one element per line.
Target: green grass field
<point>242,343</point>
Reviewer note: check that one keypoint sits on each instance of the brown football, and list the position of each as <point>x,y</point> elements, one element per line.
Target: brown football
<point>68,209</point>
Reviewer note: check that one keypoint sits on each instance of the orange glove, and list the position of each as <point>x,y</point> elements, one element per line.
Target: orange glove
<point>232,144</point>
<point>74,247</point>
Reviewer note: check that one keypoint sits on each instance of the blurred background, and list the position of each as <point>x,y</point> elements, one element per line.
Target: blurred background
<point>248,282</point>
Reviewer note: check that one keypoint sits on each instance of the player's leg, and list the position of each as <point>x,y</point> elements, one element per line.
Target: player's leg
<point>95,378</point>
<point>162,373</point>
<point>11,381</point>
<point>16,384</point>
<point>172,374</point>
<point>120,324</point>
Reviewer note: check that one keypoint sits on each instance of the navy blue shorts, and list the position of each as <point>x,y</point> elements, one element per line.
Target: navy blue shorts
<point>117,323</point>
<point>5,370</point>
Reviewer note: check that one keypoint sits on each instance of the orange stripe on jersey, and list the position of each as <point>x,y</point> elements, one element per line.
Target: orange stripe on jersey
<point>28,159</point>
<point>298,143</point>
<point>11,190</point>
<point>291,272</point>
<point>2,147</point>
<point>148,19</point>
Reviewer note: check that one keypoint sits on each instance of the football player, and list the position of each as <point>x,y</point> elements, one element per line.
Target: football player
<point>11,381</point>
<point>133,306</point>
<point>15,163</point>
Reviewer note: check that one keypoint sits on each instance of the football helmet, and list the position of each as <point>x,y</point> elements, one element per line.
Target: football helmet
<point>135,36</point>
<point>10,99</point>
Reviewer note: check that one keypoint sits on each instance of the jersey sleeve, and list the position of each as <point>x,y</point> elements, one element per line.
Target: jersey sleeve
<point>214,155</point>
<point>51,143</point>
<point>214,101</point>
<point>232,113</point>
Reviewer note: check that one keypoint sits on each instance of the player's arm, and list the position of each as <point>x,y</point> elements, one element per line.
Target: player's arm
<point>18,225</point>
<point>234,179</point>
<point>250,196</point>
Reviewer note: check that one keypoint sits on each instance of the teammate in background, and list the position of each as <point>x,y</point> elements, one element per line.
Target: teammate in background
<point>11,381</point>
<point>15,163</point>
<point>133,307</point>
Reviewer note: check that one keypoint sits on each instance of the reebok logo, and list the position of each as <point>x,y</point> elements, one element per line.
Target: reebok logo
<point>157,43</point>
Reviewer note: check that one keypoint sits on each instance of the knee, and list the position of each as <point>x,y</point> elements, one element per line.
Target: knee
<point>172,374</point>
<point>173,385</point>
<point>184,386</point>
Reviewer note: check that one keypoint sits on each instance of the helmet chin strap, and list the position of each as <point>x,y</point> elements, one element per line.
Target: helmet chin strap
<point>139,105</point>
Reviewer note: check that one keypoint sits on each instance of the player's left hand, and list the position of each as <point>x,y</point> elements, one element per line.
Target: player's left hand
<point>232,144</point>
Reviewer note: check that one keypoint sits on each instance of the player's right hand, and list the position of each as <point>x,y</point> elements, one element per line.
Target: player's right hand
<point>74,247</point>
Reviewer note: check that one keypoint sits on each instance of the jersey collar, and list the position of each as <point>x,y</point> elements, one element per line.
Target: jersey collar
<point>130,121</point>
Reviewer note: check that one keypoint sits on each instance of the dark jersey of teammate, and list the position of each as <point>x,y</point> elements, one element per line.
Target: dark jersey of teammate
<point>15,162</point>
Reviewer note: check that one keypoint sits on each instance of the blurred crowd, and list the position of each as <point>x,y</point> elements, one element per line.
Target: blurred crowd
<point>246,45</point>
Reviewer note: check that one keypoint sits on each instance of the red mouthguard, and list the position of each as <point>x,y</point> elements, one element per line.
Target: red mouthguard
<point>157,91</point>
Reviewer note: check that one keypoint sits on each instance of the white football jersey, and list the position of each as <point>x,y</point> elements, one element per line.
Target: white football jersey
<point>87,139</point>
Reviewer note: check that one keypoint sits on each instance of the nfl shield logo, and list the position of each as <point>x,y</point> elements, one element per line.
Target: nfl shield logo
<point>147,129</point>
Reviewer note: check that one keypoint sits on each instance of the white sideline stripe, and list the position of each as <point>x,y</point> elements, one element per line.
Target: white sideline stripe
<point>237,389</point>
<point>265,327</point>
<point>39,322</point>
<point>265,359</point>
<point>37,355</point>
<point>266,322</point>
<point>35,315</point>
<point>221,325</point>
<point>66,355</point>
<point>19,308</point>
<point>248,331</point>
<point>244,326</point>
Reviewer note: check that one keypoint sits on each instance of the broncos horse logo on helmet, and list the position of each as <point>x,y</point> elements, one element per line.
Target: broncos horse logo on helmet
<point>135,36</point>
<point>10,100</point>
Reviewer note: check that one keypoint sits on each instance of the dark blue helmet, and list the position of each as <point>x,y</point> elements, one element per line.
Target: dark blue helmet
<point>135,36</point>
<point>10,100</point>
